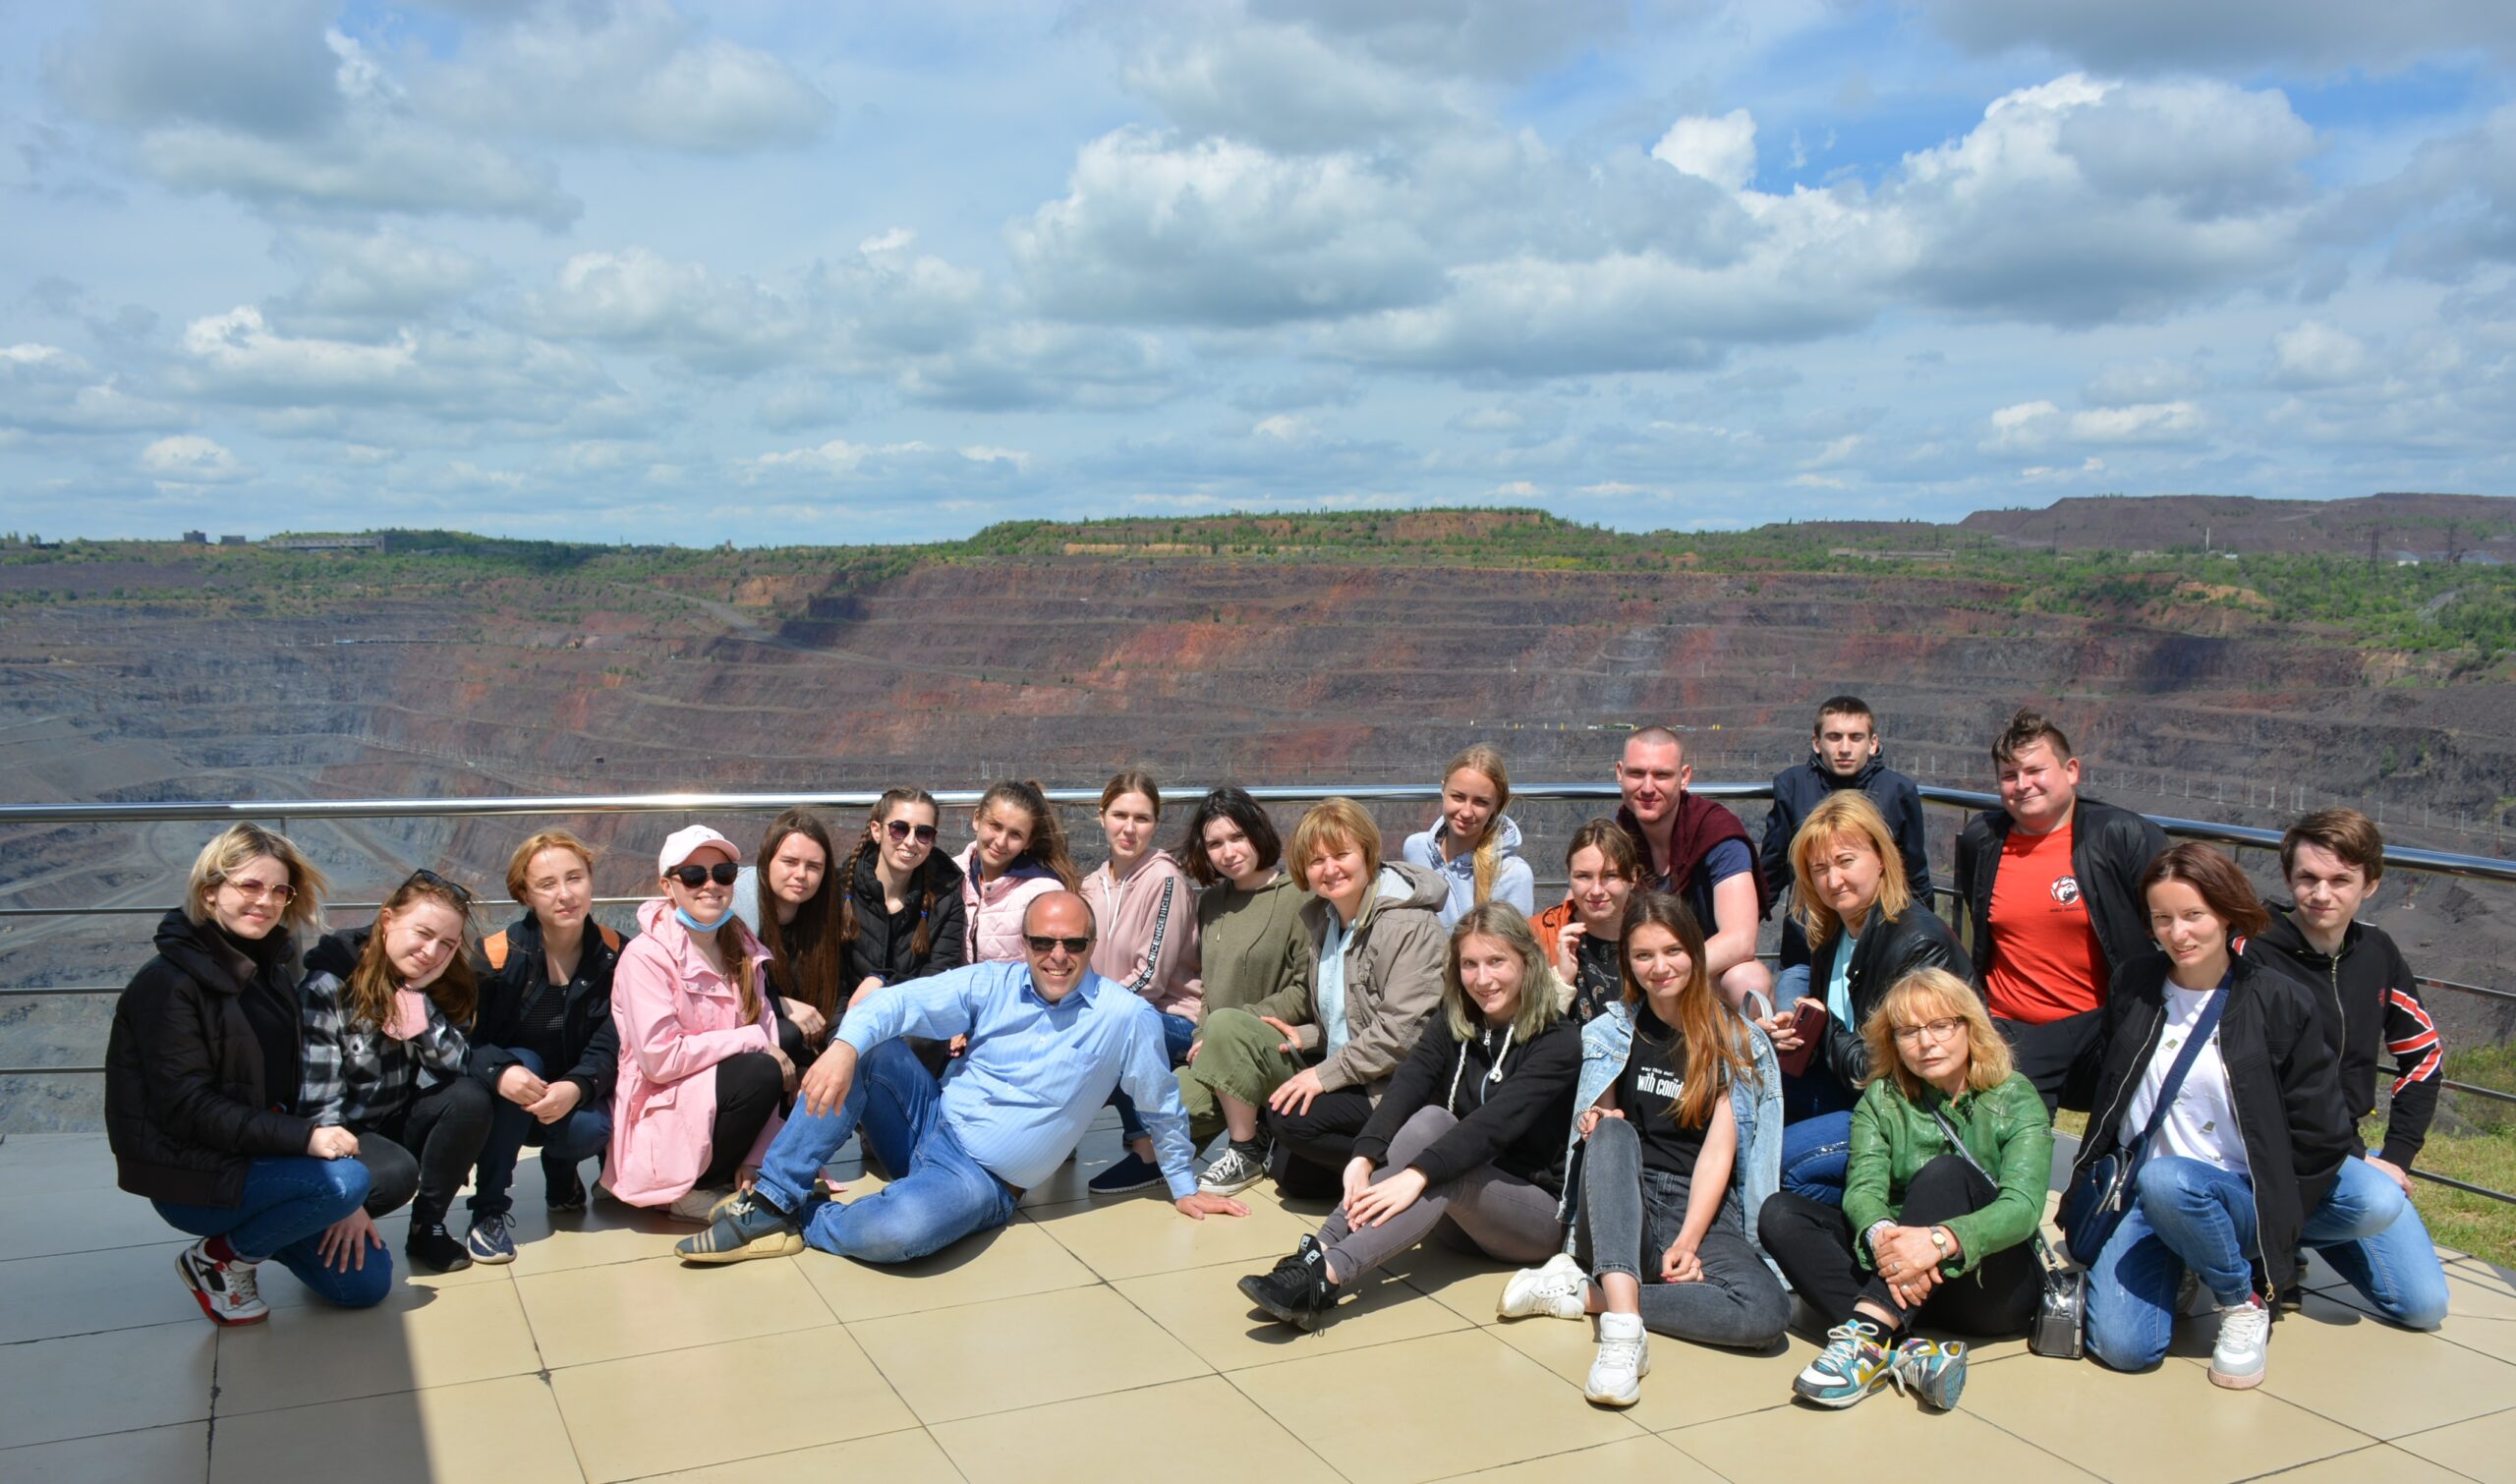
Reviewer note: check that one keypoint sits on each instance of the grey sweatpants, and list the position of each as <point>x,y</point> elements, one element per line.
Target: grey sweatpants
<point>1504,1215</point>
<point>1631,1215</point>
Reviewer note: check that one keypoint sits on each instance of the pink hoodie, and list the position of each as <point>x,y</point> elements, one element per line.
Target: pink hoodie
<point>994,910</point>
<point>677,1017</point>
<point>1147,927</point>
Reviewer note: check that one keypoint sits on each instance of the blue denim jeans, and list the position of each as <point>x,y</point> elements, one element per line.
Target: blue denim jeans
<point>2189,1214</point>
<point>564,1145</point>
<point>2368,1229</point>
<point>287,1203</point>
<point>1178,1032</point>
<point>937,1193</point>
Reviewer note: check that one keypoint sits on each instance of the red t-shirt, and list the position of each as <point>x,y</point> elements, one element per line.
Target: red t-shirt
<point>2044,950</point>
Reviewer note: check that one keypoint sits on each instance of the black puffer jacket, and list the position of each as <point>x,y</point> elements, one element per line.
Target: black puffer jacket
<point>512,977</point>
<point>2109,850</point>
<point>1799,789</point>
<point>1884,952</point>
<point>2283,1083</point>
<point>1515,1124</point>
<point>188,1104</point>
<point>886,942</point>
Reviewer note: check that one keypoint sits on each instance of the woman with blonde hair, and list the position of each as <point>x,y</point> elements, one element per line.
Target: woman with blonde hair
<point>1464,1140</point>
<point>386,1008</point>
<point>1474,845</point>
<point>200,1086</point>
<point>1951,1153</point>
<point>1866,932</point>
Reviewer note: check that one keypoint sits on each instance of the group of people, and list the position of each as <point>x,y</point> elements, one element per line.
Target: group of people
<point>1615,1095</point>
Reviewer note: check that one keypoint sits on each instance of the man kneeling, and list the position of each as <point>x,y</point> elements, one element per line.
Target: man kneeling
<point>1048,1039</point>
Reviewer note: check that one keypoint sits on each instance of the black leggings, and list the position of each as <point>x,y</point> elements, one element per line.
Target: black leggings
<point>748,1087</point>
<point>447,1124</point>
<point>1321,1139</point>
<point>1814,1244</point>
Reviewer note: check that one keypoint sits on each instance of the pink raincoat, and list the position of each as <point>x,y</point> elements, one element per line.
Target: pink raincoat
<point>677,1018</point>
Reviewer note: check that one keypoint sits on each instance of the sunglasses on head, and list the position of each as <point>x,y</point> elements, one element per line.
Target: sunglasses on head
<point>902,829</point>
<point>694,877</point>
<point>426,877</point>
<point>1041,944</point>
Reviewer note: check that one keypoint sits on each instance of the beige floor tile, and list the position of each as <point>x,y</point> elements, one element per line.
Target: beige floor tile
<point>1098,1149</point>
<point>1134,1435</point>
<point>2189,1429</point>
<point>1465,1283</point>
<point>1002,1264</point>
<point>604,1232</point>
<point>623,1309</point>
<point>506,1429</point>
<point>2323,1356</point>
<point>157,1454</point>
<point>1652,1458</point>
<point>45,1164</point>
<point>1205,1308</point>
<point>1042,1347</point>
<point>83,1292</point>
<point>115,1382</point>
<point>2483,1447</point>
<point>2383,1461</point>
<point>1889,1425</point>
<point>902,1458</point>
<point>1145,1234</point>
<point>281,1288</point>
<point>1688,1382</point>
<point>78,1219</point>
<point>417,1338</point>
<point>686,1409</point>
<point>2487,1337</point>
<point>1429,1408</point>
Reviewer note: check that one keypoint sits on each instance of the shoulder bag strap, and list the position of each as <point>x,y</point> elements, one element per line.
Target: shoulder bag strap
<point>2043,1252</point>
<point>2184,1060</point>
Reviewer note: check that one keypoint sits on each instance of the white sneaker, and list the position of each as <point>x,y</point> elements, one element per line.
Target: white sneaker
<point>699,1203</point>
<point>1624,1359</point>
<point>228,1292</point>
<point>1558,1288</point>
<point>2245,1339</point>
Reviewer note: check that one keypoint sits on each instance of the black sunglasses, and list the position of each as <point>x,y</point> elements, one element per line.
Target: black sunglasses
<point>694,877</point>
<point>902,829</point>
<point>424,877</point>
<point>1079,947</point>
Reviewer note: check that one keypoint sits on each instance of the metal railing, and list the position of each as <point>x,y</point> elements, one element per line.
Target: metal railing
<point>281,814</point>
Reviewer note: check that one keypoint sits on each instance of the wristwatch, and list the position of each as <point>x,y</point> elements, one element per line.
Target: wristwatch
<point>1939,1239</point>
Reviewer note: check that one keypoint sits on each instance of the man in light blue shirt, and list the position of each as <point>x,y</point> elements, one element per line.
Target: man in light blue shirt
<point>1048,1039</point>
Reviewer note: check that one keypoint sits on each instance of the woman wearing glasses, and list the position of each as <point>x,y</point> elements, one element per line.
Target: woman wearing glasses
<point>1928,1232</point>
<point>385,1011</point>
<point>901,916</point>
<point>200,1086</point>
<point>700,1070</point>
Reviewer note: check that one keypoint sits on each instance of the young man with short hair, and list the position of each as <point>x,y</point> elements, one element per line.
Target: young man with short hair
<point>1843,753</point>
<point>1695,849</point>
<point>2332,860</point>
<point>2052,890</point>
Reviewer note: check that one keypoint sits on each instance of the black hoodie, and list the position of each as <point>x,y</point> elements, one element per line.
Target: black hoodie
<point>2370,1004</point>
<point>1515,1122</point>
<point>191,1097</point>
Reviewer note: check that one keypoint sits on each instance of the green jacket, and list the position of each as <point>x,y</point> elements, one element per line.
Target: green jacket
<point>2006,1129</point>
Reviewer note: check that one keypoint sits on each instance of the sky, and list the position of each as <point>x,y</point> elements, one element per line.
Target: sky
<point>629,271</point>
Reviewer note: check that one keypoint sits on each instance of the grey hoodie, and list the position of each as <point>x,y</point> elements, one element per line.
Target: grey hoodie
<point>1514,881</point>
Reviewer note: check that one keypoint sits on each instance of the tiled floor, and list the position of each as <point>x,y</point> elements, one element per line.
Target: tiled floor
<point>1091,1340</point>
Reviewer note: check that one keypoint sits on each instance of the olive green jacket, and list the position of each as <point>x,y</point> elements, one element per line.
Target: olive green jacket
<point>2005,1128</point>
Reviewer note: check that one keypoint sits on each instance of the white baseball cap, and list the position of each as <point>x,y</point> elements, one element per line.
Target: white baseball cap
<point>689,840</point>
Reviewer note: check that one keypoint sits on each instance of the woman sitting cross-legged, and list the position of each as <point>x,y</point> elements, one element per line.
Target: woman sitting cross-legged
<point>1464,1139</point>
<point>1678,1135</point>
<point>1931,1229</point>
<point>386,1059</point>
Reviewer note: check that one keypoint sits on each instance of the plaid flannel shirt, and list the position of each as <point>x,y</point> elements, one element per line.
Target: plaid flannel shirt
<point>357,1077</point>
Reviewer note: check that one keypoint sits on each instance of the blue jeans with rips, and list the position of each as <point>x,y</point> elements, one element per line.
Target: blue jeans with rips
<point>288,1201</point>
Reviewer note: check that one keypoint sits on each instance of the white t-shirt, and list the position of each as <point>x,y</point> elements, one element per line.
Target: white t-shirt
<point>2202,1125</point>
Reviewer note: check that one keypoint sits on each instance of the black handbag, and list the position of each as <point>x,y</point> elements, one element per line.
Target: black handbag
<point>2061,1306</point>
<point>2101,1195</point>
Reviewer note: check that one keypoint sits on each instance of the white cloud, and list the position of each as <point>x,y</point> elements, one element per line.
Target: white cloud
<point>2040,424</point>
<point>2313,353</point>
<point>2120,383</point>
<point>190,459</point>
<point>1722,150</point>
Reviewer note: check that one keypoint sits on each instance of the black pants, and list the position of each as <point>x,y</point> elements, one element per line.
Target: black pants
<point>447,1124</point>
<point>2060,1056</point>
<point>1321,1139</point>
<point>748,1087</point>
<point>1814,1244</point>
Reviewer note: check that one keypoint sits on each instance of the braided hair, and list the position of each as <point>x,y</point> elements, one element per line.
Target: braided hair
<point>928,877</point>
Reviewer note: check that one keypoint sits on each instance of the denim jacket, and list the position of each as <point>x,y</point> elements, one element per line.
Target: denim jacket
<point>1756,1173</point>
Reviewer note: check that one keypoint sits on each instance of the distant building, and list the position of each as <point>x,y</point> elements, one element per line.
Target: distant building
<point>327,543</point>
<point>196,537</point>
<point>231,540</point>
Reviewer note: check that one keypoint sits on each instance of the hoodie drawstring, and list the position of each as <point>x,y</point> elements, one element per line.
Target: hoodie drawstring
<point>1492,1077</point>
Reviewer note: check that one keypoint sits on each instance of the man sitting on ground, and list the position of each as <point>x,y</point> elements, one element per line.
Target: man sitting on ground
<point>1843,753</point>
<point>2052,888</point>
<point>1048,1039</point>
<point>1697,850</point>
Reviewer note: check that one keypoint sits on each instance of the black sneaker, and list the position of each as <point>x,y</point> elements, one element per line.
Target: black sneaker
<point>563,1190</point>
<point>1297,1290</point>
<point>1134,1173</point>
<point>434,1248</point>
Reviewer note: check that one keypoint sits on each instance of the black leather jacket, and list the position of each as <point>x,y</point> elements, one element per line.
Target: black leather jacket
<point>1883,953</point>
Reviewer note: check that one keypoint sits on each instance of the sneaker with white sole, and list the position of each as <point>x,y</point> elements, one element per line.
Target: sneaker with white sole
<point>1624,1358</point>
<point>1232,1172</point>
<point>1559,1290</point>
<point>1932,1371</point>
<point>1855,1362</point>
<point>2244,1342</point>
<point>489,1241</point>
<point>700,1203</point>
<point>228,1292</point>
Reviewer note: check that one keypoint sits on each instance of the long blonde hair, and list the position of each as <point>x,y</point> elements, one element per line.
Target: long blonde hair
<point>232,847</point>
<point>1927,995</point>
<point>1502,923</point>
<point>1487,863</point>
<point>1844,815</point>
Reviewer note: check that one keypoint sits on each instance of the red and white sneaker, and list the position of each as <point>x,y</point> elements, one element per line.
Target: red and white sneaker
<point>228,1292</point>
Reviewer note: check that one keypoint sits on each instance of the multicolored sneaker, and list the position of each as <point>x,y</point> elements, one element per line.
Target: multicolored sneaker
<point>1855,1363</point>
<point>227,1291</point>
<point>748,1228</point>
<point>1932,1371</point>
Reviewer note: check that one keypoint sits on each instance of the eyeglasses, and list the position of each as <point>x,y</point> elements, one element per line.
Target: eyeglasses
<point>1077,946</point>
<point>253,891</point>
<point>1936,1030</point>
<point>902,829</point>
<point>424,877</point>
<point>694,877</point>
